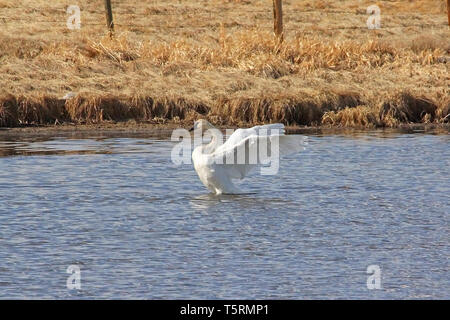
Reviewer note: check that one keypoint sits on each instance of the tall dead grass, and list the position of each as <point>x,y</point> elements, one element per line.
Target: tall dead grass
<point>399,108</point>
<point>256,52</point>
<point>334,109</point>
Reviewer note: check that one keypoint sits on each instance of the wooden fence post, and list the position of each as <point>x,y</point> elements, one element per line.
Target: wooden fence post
<point>109,17</point>
<point>278,19</point>
<point>448,11</point>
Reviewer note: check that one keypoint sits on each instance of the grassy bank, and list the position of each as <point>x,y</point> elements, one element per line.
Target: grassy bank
<point>174,62</point>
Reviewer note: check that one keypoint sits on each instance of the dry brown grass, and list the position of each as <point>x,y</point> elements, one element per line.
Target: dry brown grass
<point>400,108</point>
<point>178,61</point>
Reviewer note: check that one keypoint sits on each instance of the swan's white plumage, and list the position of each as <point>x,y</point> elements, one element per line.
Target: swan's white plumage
<point>240,134</point>
<point>209,160</point>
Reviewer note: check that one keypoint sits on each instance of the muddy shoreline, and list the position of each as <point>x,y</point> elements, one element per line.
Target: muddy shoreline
<point>165,130</point>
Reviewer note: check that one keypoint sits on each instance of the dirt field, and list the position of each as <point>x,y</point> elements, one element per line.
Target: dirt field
<point>175,61</point>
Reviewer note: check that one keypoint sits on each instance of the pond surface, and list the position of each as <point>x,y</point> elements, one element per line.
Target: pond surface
<point>138,226</point>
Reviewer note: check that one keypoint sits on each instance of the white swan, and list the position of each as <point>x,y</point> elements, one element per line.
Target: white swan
<point>211,161</point>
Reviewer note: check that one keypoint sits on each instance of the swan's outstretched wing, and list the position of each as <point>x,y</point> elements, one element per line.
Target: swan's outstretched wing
<point>241,134</point>
<point>239,159</point>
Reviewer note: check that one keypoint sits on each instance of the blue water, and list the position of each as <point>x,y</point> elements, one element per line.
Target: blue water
<point>139,226</point>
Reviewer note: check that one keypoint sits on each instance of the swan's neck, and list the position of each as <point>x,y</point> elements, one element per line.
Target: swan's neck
<point>211,146</point>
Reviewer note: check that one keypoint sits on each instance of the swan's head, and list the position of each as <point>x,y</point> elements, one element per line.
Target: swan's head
<point>202,125</point>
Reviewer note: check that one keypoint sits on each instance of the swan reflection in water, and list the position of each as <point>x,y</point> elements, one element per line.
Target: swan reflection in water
<point>212,202</point>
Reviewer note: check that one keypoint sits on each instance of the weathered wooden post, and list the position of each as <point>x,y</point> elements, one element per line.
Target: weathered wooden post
<point>109,17</point>
<point>448,11</point>
<point>278,19</point>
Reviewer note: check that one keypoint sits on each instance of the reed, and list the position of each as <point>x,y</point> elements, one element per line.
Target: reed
<point>341,109</point>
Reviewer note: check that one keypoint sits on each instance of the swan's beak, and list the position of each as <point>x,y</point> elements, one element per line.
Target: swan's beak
<point>191,129</point>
